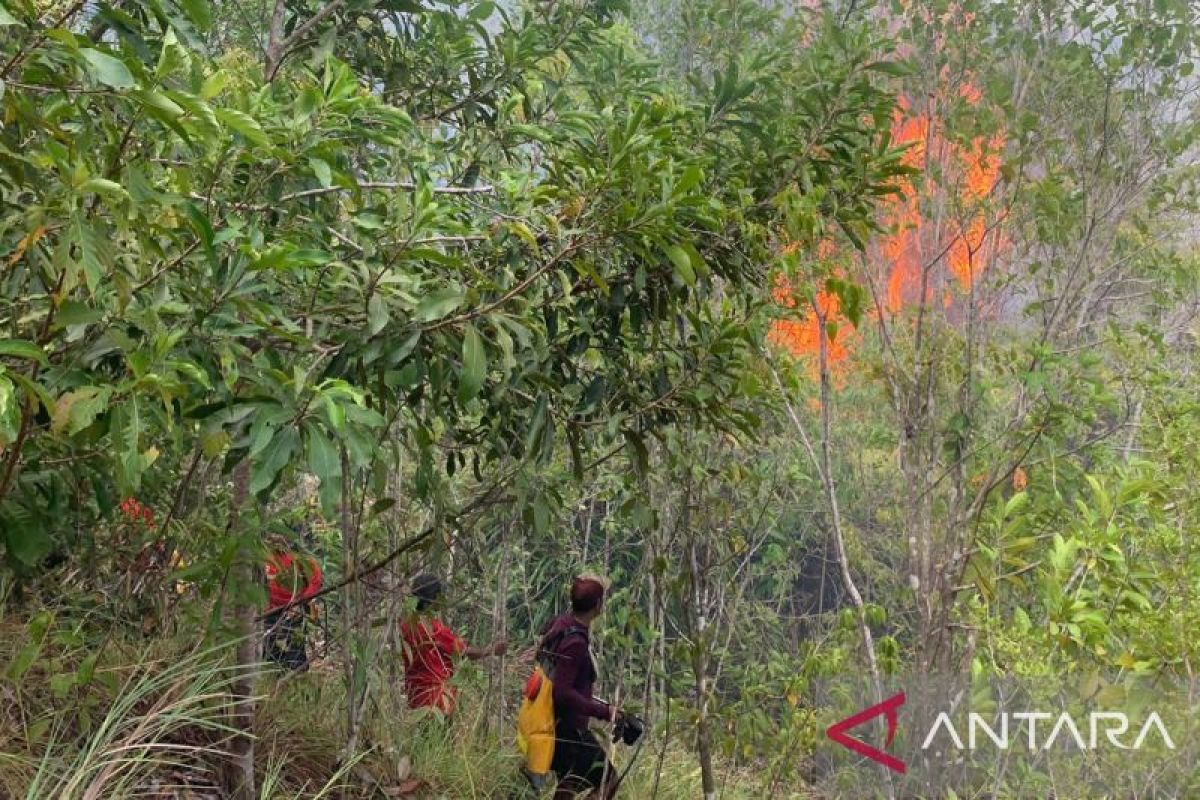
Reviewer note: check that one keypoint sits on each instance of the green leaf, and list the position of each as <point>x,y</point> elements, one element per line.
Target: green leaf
<point>29,543</point>
<point>322,455</point>
<point>95,252</point>
<point>537,427</point>
<point>198,12</point>
<point>367,221</point>
<point>107,70</point>
<point>87,668</point>
<point>21,348</point>
<point>321,169</point>
<point>165,110</point>
<point>683,264</point>
<point>640,455</point>
<point>1016,503</point>
<point>481,11</point>
<point>7,18</point>
<point>125,430</point>
<point>541,515</point>
<point>896,69</point>
<point>10,411</point>
<point>698,262</point>
<point>39,627</point>
<point>474,369</point>
<point>273,459</point>
<point>1103,501</point>
<point>200,117</point>
<point>398,354</point>
<point>78,409</point>
<point>158,100</point>
<point>523,232</point>
<point>173,58</point>
<point>377,314</point>
<point>381,505</point>
<point>690,179</point>
<point>203,228</point>
<point>33,390</point>
<point>576,453</point>
<point>105,186</point>
<point>213,84</point>
<point>244,124</point>
<point>285,256</point>
<point>61,683</point>
<point>213,442</point>
<point>262,432</point>
<point>72,312</point>
<point>438,304</point>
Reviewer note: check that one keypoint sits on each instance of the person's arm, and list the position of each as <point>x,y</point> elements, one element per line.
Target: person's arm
<point>454,645</point>
<point>494,649</point>
<point>572,654</point>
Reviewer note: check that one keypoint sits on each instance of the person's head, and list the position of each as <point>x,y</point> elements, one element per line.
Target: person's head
<point>427,589</point>
<point>587,596</point>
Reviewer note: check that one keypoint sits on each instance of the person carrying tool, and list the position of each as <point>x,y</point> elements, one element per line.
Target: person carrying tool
<point>431,648</point>
<point>579,761</point>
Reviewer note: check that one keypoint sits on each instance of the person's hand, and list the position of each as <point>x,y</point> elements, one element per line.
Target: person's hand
<point>499,648</point>
<point>616,715</point>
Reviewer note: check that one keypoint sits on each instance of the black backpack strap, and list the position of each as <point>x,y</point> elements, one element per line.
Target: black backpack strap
<point>548,653</point>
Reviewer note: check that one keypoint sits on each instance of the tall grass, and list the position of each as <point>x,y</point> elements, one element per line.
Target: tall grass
<point>165,721</point>
<point>163,717</point>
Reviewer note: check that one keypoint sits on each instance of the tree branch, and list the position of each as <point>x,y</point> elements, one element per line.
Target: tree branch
<point>324,190</point>
<point>278,47</point>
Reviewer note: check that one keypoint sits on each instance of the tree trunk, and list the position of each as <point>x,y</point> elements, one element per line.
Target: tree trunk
<point>499,631</point>
<point>839,538</point>
<point>824,466</point>
<point>351,605</point>
<point>697,567</point>
<point>238,771</point>
<point>708,778</point>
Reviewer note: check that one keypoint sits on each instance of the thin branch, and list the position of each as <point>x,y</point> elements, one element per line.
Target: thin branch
<point>513,292</point>
<point>410,543</point>
<point>41,37</point>
<point>278,50</point>
<point>324,190</point>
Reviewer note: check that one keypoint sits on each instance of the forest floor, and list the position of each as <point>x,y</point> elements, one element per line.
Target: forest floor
<point>149,719</point>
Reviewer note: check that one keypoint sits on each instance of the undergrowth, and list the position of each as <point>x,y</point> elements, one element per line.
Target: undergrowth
<point>116,715</point>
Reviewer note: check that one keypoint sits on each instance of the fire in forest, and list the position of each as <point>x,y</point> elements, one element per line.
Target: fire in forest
<point>940,236</point>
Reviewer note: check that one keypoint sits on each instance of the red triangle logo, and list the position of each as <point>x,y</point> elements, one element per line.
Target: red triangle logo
<point>837,732</point>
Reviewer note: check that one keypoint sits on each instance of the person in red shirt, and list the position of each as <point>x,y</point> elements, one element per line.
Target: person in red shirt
<point>431,650</point>
<point>290,578</point>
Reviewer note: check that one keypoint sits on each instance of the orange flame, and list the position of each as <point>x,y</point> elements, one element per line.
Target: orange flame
<point>919,259</point>
<point>801,336</point>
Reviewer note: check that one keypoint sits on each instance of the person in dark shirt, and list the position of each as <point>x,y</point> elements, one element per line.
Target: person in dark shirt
<point>579,761</point>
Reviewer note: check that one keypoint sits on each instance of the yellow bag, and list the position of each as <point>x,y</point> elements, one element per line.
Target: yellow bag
<point>535,725</point>
<point>536,719</point>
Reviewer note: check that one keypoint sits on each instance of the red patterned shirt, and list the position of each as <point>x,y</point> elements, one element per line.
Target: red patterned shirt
<point>430,649</point>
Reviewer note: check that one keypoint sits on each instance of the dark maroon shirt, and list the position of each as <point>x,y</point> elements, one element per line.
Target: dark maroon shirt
<point>574,676</point>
